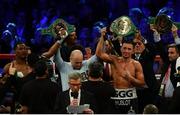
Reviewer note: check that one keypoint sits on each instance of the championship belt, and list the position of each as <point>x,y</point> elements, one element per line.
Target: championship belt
<point>163,23</point>
<point>122,26</point>
<point>59,29</point>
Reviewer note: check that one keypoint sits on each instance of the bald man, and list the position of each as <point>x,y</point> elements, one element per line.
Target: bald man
<point>76,59</point>
<point>76,64</point>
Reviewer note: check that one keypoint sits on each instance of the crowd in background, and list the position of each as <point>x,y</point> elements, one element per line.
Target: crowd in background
<point>29,17</point>
<point>22,21</point>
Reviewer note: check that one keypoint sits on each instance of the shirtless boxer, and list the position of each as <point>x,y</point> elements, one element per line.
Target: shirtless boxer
<point>18,66</point>
<point>17,70</point>
<point>126,72</point>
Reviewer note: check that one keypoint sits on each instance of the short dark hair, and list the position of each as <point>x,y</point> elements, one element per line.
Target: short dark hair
<point>173,46</point>
<point>32,59</point>
<point>128,42</point>
<point>17,43</point>
<point>95,69</point>
<point>150,109</point>
<point>40,67</point>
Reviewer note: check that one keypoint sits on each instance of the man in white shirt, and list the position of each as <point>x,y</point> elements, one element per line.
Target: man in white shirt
<point>75,100</point>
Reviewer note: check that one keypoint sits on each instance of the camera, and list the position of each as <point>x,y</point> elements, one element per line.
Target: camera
<point>51,68</point>
<point>177,75</point>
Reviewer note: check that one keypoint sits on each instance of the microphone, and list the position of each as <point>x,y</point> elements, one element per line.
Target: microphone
<point>74,95</point>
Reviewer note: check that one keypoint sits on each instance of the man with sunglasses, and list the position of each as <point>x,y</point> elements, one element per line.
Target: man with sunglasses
<point>145,53</point>
<point>75,100</point>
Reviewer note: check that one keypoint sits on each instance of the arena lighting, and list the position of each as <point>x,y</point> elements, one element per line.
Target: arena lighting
<point>7,56</point>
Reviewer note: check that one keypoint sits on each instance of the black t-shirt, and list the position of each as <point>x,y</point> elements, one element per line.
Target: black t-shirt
<point>102,91</point>
<point>39,95</point>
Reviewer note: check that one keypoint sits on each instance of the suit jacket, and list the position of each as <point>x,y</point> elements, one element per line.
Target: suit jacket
<point>173,70</point>
<point>164,55</point>
<point>63,100</point>
<point>175,103</point>
<point>147,59</point>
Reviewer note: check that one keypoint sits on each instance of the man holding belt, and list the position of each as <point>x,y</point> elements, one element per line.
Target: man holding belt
<point>126,72</point>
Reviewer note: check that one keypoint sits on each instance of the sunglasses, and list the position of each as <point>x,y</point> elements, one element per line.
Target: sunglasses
<point>75,84</point>
<point>137,43</point>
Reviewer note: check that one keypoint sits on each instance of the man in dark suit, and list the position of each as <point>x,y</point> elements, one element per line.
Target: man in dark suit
<point>168,80</point>
<point>75,97</point>
<point>175,103</point>
<point>145,53</point>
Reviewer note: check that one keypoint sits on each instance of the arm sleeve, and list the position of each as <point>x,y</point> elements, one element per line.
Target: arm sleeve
<point>58,59</point>
<point>177,40</point>
<point>92,59</point>
<point>157,37</point>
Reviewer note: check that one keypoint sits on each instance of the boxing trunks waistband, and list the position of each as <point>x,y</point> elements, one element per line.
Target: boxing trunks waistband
<point>129,93</point>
